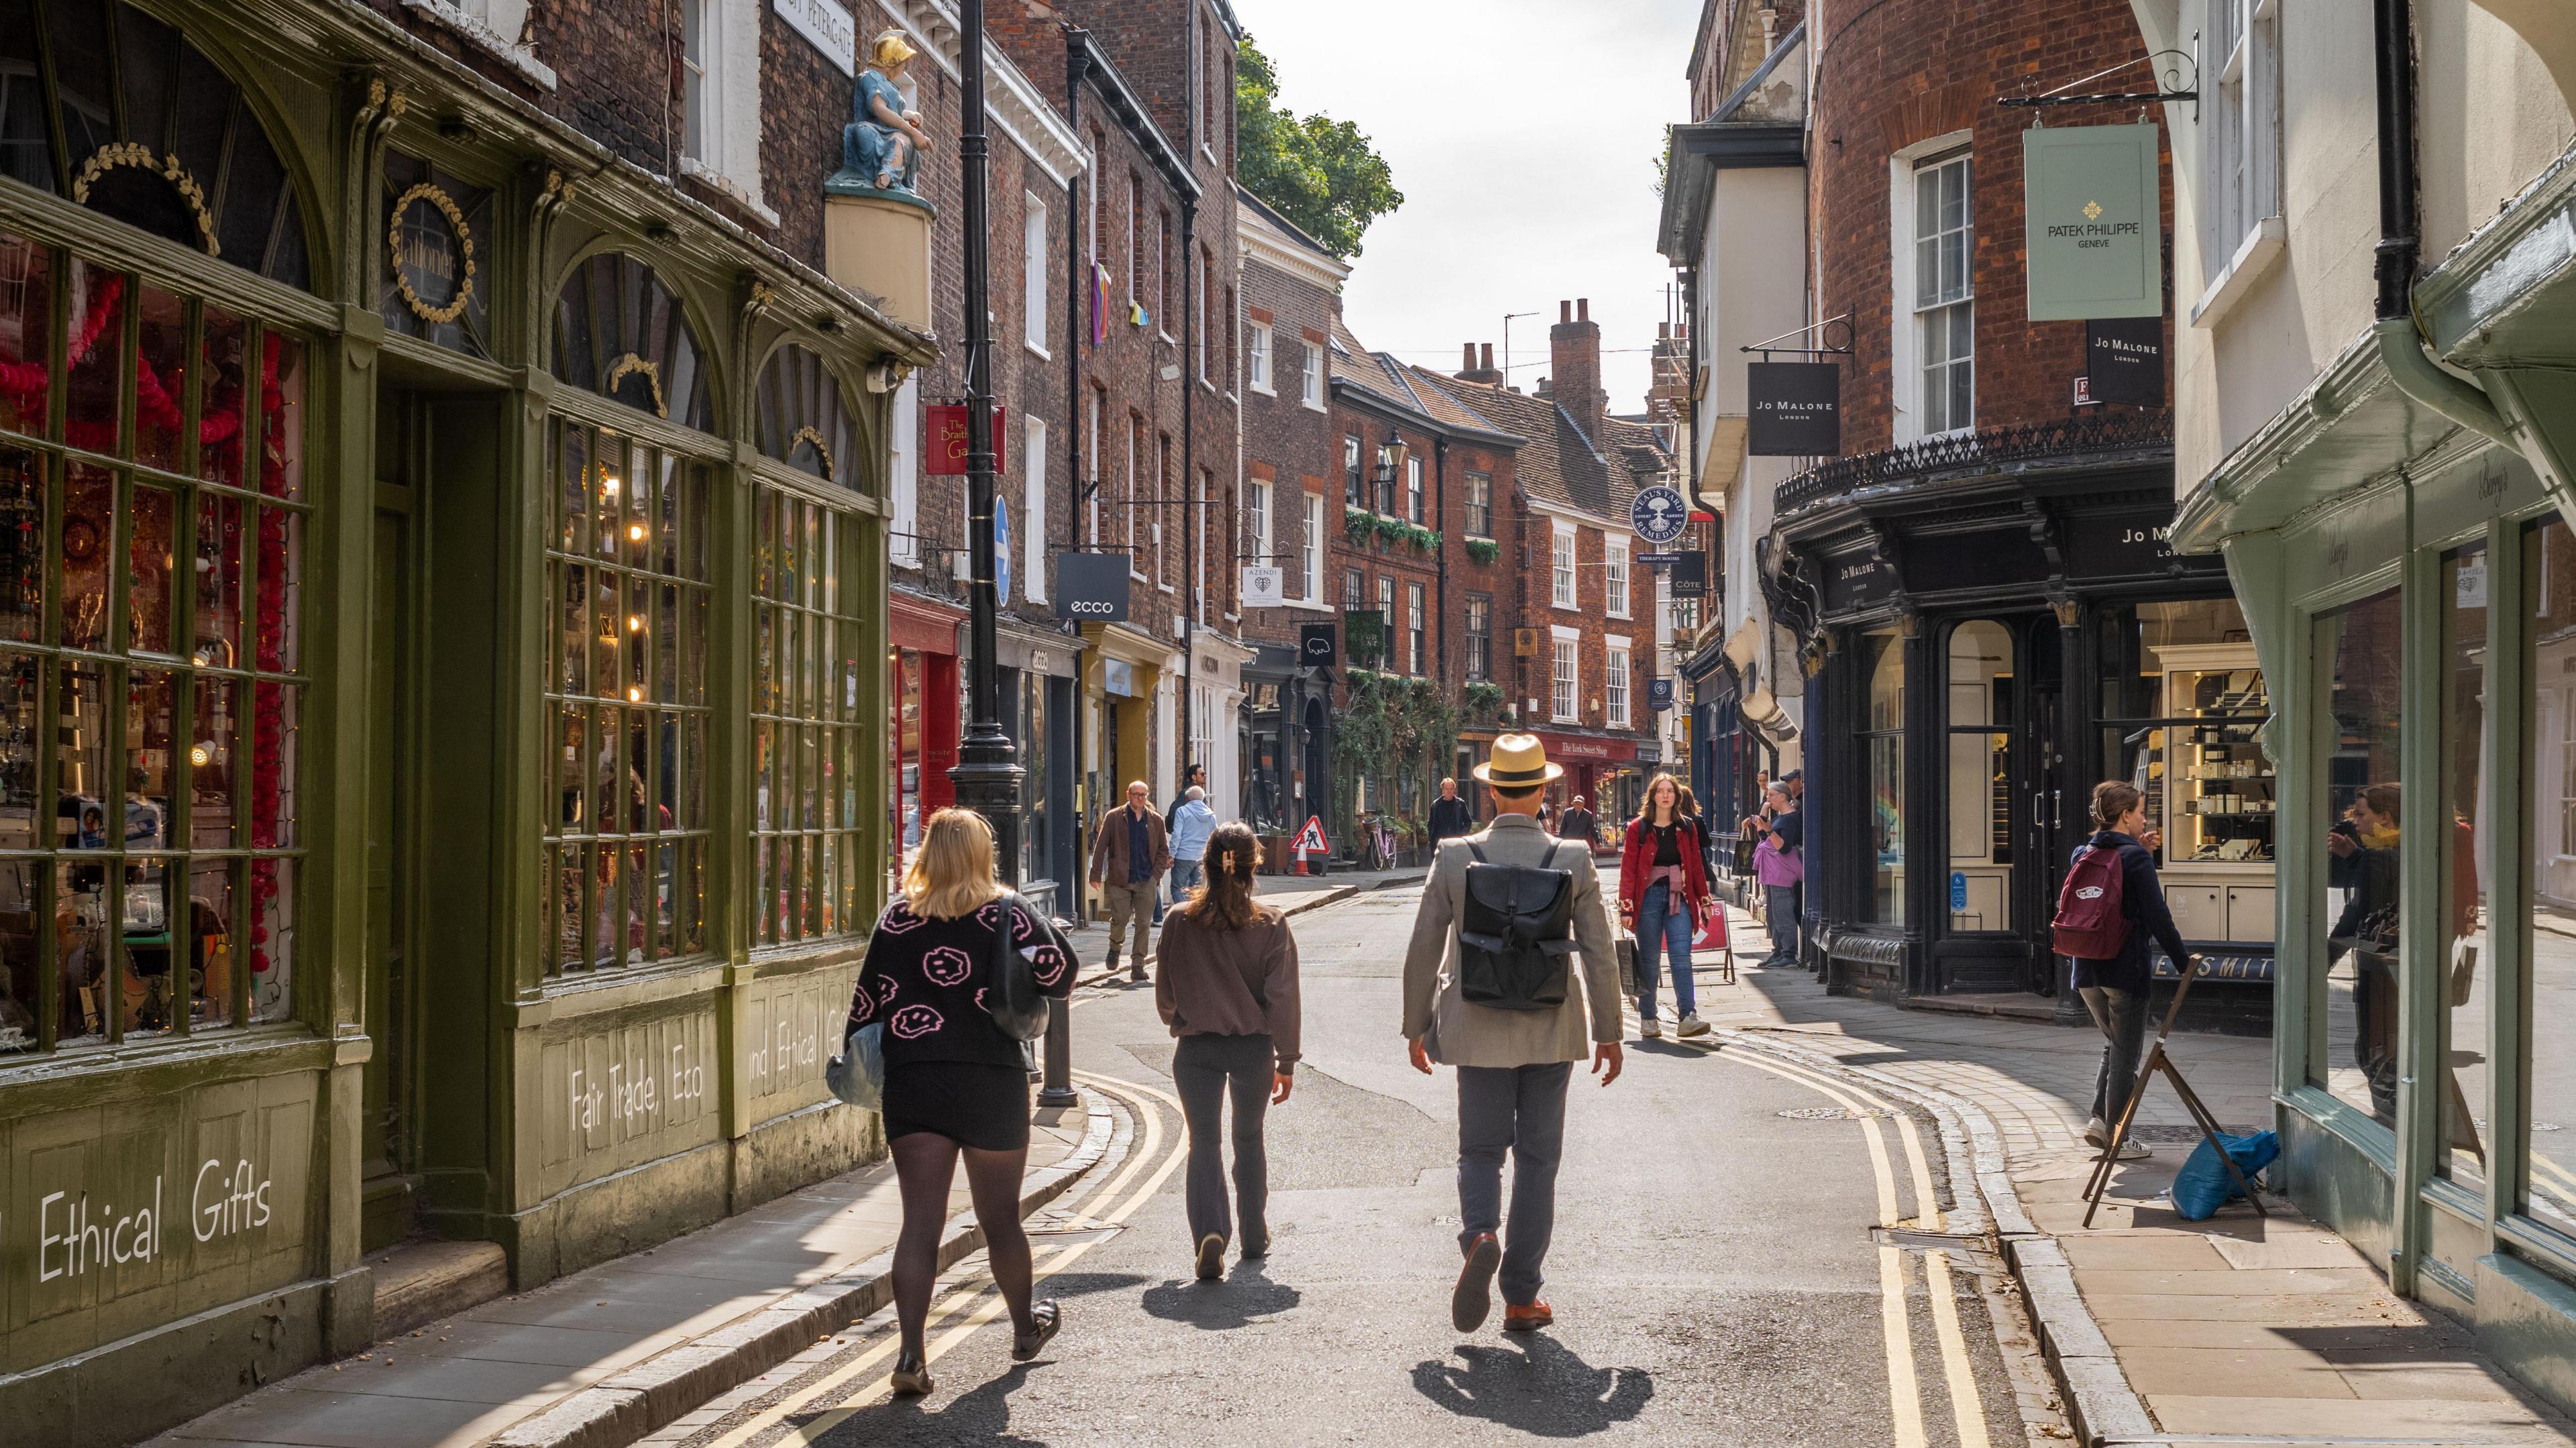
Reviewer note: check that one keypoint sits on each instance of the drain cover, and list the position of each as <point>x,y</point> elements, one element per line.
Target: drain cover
<point>1834,1113</point>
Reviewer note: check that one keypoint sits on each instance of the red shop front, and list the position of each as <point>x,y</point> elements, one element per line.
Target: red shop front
<point>921,657</point>
<point>1591,762</point>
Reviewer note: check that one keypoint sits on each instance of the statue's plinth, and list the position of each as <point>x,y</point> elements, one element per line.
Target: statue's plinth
<point>878,242</point>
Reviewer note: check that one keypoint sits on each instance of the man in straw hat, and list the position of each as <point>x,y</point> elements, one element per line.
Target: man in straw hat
<point>1513,1065</point>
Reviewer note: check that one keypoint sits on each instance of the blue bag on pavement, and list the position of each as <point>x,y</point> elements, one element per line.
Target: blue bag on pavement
<point>2204,1184</point>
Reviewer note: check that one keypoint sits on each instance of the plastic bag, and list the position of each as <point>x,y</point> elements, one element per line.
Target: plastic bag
<point>2204,1183</point>
<point>857,1075</point>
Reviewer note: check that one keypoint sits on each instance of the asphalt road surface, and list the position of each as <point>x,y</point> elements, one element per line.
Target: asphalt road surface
<point>1716,1274</point>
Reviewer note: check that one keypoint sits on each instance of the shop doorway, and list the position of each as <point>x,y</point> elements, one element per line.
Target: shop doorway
<point>424,1139</point>
<point>2004,692</point>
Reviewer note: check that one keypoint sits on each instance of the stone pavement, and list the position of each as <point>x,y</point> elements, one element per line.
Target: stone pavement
<point>2236,1329</point>
<point>606,1355</point>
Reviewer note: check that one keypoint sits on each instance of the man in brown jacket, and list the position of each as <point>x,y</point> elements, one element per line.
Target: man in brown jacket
<point>1129,853</point>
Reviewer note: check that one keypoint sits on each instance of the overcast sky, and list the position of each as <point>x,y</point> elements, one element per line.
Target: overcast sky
<point>1523,134</point>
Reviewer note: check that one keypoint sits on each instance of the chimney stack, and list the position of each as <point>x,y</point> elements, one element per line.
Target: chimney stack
<point>1483,371</point>
<point>1574,346</point>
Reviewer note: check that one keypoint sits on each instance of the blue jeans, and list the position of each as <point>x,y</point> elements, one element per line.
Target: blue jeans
<point>1664,930</point>
<point>1519,1111</point>
<point>1185,878</point>
<point>1780,917</point>
<point>2122,1015</point>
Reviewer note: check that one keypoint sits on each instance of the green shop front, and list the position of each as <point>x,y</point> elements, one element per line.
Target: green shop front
<point>441,591</point>
<point>2400,540</point>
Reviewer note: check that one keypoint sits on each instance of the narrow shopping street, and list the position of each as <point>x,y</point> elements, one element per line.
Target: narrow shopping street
<point>1718,1272</point>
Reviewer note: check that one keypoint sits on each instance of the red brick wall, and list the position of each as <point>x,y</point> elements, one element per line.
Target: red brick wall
<point>1909,70</point>
<point>1295,442</point>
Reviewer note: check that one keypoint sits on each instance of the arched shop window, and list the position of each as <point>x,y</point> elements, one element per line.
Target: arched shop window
<point>151,529</point>
<point>802,421</point>
<point>620,332</point>
<point>119,112</point>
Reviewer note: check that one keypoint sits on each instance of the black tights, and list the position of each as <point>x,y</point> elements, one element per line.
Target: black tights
<point>925,1164</point>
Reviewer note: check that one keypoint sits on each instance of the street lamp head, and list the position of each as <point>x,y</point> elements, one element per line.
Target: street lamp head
<point>1390,456</point>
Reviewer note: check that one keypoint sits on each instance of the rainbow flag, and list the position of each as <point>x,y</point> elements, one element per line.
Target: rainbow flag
<point>1099,304</point>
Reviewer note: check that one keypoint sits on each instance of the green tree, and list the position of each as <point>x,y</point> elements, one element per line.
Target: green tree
<point>1318,172</point>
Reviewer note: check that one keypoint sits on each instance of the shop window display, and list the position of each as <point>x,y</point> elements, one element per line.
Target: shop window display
<point>807,742</point>
<point>1982,708</point>
<point>2466,958</point>
<point>626,702</point>
<point>2549,925</point>
<point>2360,660</point>
<point>1883,750</point>
<point>143,891</point>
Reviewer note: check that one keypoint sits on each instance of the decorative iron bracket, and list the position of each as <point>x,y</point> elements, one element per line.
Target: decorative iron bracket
<point>2169,66</point>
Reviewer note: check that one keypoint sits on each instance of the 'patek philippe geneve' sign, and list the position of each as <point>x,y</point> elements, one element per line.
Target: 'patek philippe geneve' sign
<point>828,24</point>
<point>1796,409</point>
<point>1091,587</point>
<point>2091,223</point>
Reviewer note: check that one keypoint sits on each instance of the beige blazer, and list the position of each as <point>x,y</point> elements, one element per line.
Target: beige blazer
<point>1460,1034</point>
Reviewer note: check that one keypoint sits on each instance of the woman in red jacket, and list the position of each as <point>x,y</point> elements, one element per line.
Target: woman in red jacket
<point>1664,898</point>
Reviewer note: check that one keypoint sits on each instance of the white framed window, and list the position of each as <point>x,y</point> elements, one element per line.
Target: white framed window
<point>1256,356</point>
<point>2240,127</point>
<point>1033,510</point>
<point>1386,620</point>
<point>1091,460</point>
<point>1034,268</point>
<point>1256,503</point>
<point>719,120</point>
<point>1479,620</point>
<point>2566,772</point>
<point>1354,485</point>
<point>1943,298</point>
<point>1480,505</point>
<point>1310,386</point>
<point>1614,683</point>
<point>1412,488</point>
<point>1310,549</point>
<point>1614,577</point>
<point>698,79</point>
<point>1560,570</point>
<point>904,469</point>
<point>1414,634</point>
<point>1564,693</point>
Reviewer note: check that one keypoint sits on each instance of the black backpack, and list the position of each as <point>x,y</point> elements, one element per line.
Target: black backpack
<point>1514,934</point>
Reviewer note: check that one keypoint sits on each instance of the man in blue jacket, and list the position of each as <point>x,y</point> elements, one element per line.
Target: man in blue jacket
<point>1192,824</point>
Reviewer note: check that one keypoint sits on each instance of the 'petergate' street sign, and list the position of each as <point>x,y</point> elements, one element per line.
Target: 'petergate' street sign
<point>2092,226</point>
<point>1796,409</point>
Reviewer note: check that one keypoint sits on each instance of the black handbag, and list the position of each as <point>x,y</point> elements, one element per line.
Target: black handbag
<point>1013,998</point>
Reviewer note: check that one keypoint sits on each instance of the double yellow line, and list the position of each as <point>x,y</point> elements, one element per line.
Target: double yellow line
<point>1904,1391</point>
<point>870,1369</point>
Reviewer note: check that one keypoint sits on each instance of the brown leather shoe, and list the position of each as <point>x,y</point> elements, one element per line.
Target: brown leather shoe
<point>1517,1318</point>
<point>1474,1297</point>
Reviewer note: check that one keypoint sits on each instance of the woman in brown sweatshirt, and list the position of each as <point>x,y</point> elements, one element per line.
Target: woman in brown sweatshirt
<point>1226,984</point>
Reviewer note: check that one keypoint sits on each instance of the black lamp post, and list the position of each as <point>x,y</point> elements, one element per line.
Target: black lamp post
<point>988,772</point>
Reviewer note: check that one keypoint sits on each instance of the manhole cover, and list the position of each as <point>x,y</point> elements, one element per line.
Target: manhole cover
<point>1834,1113</point>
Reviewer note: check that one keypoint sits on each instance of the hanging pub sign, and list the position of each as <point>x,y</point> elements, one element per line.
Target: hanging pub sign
<point>2092,227</point>
<point>1091,587</point>
<point>1690,574</point>
<point>1315,645</point>
<point>2125,359</point>
<point>947,431</point>
<point>1796,409</point>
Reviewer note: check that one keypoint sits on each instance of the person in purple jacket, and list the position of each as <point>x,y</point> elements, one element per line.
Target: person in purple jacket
<point>2116,990</point>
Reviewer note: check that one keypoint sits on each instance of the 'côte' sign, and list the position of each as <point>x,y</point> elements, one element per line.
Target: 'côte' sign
<point>947,432</point>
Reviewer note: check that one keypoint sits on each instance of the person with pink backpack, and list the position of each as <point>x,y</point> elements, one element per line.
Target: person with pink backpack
<point>2109,909</point>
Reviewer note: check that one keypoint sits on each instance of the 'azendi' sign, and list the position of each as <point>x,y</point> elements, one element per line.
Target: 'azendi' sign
<point>2092,227</point>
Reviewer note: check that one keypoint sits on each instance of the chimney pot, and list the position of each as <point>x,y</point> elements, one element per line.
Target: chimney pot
<point>1467,357</point>
<point>1583,309</point>
<point>1564,311</point>
<point>1488,363</point>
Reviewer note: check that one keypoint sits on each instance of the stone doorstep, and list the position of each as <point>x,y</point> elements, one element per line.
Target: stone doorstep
<point>2014,1007</point>
<point>422,1281</point>
<point>639,1400</point>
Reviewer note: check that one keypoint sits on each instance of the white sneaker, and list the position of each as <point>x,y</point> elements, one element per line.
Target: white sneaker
<point>2132,1149</point>
<point>1650,1031</point>
<point>1692,1025</point>
<point>2097,1133</point>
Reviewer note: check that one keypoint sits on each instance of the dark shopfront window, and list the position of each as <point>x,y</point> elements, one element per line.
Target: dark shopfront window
<point>1980,775</point>
<point>2548,926</point>
<point>626,702</point>
<point>2353,1025</point>
<point>151,533</point>
<point>2468,681</point>
<point>1882,748</point>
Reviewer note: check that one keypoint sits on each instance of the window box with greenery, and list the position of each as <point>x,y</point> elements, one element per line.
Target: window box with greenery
<point>1484,550</point>
<point>1422,539</point>
<point>1482,703</point>
<point>1359,525</point>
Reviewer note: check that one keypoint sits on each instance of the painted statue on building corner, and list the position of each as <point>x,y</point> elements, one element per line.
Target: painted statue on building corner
<point>882,145</point>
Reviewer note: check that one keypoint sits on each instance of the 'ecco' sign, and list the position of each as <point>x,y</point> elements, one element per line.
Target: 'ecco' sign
<point>1091,587</point>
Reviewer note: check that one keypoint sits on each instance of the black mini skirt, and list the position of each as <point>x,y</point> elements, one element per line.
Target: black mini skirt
<point>970,1103</point>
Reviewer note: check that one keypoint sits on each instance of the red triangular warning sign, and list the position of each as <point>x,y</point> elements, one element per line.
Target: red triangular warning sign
<point>1310,840</point>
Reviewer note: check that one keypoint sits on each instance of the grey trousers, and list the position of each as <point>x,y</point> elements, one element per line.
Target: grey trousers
<point>1208,1069</point>
<point>2122,1015</point>
<point>1780,917</point>
<point>1519,1110</point>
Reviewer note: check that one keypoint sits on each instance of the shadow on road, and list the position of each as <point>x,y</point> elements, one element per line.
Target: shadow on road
<point>1243,1298</point>
<point>981,1416</point>
<point>1542,1388</point>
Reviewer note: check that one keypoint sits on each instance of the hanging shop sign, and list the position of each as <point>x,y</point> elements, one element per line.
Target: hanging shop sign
<point>1091,587</point>
<point>829,25</point>
<point>2124,360</point>
<point>1364,630</point>
<point>1659,694</point>
<point>1690,574</point>
<point>1316,643</point>
<point>1265,587</point>
<point>2091,223</point>
<point>1796,409</point>
<point>947,429</point>
<point>1659,515</point>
